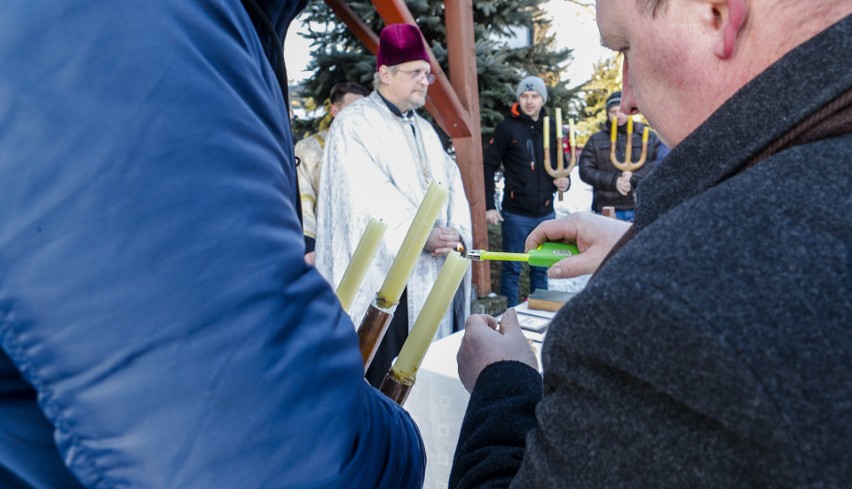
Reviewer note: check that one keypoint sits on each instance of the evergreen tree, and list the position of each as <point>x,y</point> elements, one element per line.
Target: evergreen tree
<point>605,79</point>
<point>339,56</point>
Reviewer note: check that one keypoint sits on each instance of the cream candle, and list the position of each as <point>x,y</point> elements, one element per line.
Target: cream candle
<point>412,245</point>
<point>571,136</point>
<point>645,135</point>
<point>559,124</point>
<point>546,132</point>
<point>439,299</point>
<point>629,125</point>
<point>614,133</point>
<point>361,259</point>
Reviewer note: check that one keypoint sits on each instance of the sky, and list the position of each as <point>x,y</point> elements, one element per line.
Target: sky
<point>574,26</point>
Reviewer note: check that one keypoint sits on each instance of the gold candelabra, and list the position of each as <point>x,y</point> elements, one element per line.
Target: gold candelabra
<point>628,164</point>
<point>560,171</point>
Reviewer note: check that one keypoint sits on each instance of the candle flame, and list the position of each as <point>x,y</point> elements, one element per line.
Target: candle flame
<point>461,249</point>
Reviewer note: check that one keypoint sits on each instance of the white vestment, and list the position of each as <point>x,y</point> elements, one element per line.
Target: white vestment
<point>375,166</point>
<point>309,151</point>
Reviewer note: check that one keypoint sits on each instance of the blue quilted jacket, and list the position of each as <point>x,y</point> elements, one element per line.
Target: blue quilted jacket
<point>159,326</point>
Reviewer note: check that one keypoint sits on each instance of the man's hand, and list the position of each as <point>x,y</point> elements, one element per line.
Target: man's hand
<point>623,183</point>
<point>485,343</point>
<point>493,216</point>
<point>311,257</point>
<point>562,183</point>
<point>595,236</point>
<point>442,240</point>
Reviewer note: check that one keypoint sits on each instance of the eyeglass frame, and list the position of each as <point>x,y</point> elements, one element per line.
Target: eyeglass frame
<point>430,78</point>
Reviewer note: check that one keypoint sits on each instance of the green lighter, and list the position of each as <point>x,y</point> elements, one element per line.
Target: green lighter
<point>544,256</point>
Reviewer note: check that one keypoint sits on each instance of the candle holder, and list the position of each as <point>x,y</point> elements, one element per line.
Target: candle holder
<point>629,165</point>
<point>400,378</point>
<point>372,329</point>
<point>560,170</point>
<point>397,387</point>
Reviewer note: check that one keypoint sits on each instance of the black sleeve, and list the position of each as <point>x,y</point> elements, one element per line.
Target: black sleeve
<point>500,414</point>
<point>491,161</point>
<point>590,171</point>
<point>310,244</point>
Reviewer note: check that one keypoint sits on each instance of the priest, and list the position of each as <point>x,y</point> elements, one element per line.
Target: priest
<point>380,158</point>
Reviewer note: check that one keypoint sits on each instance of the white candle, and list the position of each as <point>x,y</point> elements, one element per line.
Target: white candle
<point>357,268</point>
<point>559,125</point>
<point>439,299</point>
<point>412,245</point>
<point>546,132</point>
<point>571,135</point>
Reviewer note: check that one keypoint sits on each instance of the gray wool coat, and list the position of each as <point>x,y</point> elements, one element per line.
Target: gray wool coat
<point>715,348</point>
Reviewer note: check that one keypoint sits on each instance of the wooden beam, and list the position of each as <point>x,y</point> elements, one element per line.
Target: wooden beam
<point>461,47</point>
<point>358,27</point>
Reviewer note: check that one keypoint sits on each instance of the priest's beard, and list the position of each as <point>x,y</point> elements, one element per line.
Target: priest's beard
<point>415,101</point>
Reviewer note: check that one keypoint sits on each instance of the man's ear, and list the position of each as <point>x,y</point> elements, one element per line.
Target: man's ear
<point>384,73</point>
<point>333,109</point>
<point>729,18</point>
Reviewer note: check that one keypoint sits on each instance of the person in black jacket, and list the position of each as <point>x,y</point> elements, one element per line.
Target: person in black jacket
<point>612,187</point>
<point>518,144</point>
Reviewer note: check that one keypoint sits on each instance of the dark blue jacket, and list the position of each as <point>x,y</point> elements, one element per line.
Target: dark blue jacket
<point>153,291</point>
<point>597,170</point>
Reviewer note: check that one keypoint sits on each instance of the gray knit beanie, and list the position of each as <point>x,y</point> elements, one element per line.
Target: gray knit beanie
<point>531,84</point>
<point>613,100</point>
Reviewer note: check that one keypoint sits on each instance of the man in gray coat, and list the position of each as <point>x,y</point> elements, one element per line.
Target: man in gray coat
<point>712,347</point>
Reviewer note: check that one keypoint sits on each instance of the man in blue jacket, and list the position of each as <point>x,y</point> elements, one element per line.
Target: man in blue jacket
<point>158,323</point>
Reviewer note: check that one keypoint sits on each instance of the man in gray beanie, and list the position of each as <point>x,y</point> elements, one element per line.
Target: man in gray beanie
<point>532,84</point>
<point>518,144</point>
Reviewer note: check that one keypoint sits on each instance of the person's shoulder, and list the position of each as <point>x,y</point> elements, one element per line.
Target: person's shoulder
<point>507,123</point>
<point>314,142</point>
<point>358,110</point>
<point>305,143</point>
<point>355,106</point>
<point>598,138</point>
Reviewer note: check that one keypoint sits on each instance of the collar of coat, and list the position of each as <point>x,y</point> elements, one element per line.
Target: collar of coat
<point>517,114</point>
<point>393,108</point>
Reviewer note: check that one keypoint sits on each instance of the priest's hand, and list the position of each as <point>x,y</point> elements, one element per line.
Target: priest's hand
<point>485,342</point>
<point>594,235</point>
<point>493,216</point>
<point>442,240</point>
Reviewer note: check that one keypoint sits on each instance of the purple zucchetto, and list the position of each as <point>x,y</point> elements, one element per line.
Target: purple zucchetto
<point>400,43</point>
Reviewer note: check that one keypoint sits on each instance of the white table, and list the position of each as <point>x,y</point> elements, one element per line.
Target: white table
<point>437,404</point>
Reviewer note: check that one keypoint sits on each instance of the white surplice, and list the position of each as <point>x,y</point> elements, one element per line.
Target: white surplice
<point>376,166</point>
